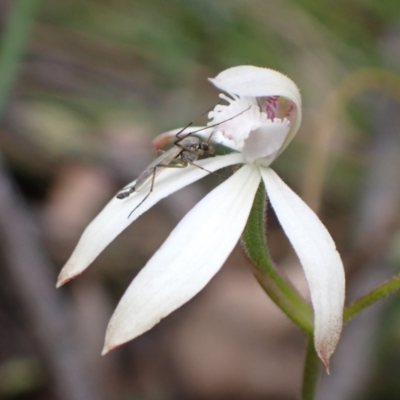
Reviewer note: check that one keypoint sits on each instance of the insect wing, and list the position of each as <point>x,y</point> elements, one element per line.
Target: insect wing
<point>155,167</point>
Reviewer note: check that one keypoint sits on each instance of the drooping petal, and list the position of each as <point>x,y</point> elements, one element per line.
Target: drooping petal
<point>254,82</point>
<point>188,259</point>
<point>115,216</point>
<point>318,255</point>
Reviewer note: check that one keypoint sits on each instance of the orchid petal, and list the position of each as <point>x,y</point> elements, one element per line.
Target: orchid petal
<point>189,258</point>
<point>250,81</point>
<point>115,216</point>
<point>266,141</point>
<point>320,260</point>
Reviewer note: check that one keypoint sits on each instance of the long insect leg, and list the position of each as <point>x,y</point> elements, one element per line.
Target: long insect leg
<point>178,135</point>
<point>206,170</point>
<point>179,138</point>
<point>153,178</point>
<point>148,194</point>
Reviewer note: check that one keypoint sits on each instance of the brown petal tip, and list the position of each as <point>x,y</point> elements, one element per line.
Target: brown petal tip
<point>65,275</point>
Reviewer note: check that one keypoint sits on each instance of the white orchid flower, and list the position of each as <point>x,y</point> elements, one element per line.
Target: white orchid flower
<point>262,116</point>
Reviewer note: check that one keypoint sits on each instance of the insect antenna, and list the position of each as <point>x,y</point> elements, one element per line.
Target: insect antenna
<point>191,123</point>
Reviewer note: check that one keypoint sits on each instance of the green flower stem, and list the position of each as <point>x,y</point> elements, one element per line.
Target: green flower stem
<point>311,370</point>
<point>280,290</point>
<point>14,43</point>
<point>372,297</point>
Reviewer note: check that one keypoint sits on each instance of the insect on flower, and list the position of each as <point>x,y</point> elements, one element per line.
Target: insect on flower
<point>260,115</point>
<point>186,150</point>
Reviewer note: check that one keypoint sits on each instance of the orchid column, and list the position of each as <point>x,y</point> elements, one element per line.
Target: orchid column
<point>261,116</point>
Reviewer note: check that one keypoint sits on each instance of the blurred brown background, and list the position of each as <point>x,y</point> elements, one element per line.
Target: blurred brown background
<point>84,87</point>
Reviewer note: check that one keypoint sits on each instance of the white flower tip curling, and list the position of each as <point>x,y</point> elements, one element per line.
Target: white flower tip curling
<point>115,336</point>
<point>66,275</point>
<point>326,347</point>
<point>325,361</point>
<point>251,81</point>
<point>279,96</point>
<point>107,349</point>
<point>111,341</point>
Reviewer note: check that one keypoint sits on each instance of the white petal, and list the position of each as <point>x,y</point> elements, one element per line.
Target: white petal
<point>251,81</point>
<point>265,142</point>
<point>318,255</point>
<point>234,121</point>
<point>114,218</point>
<point>189,258</point>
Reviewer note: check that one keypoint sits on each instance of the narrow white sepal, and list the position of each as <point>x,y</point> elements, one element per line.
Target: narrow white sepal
<point>114,217</point>
<point>189,258</point>
<point>321,262</point>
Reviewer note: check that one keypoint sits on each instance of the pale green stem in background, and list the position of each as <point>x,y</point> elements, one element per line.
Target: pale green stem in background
<point>353,84</point>
<point>18,26</point>
<point>372,297</point>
